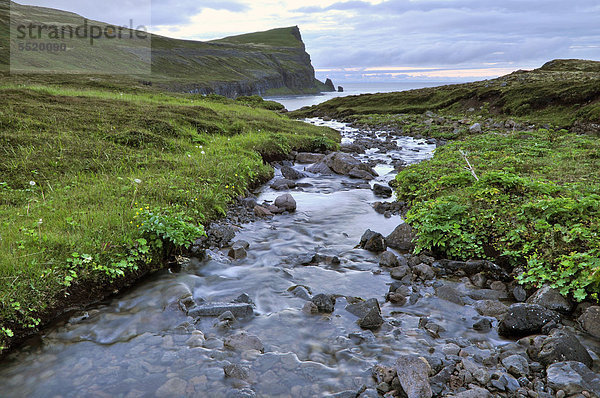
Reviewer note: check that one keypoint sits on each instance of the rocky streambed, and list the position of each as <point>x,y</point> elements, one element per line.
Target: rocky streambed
<point>317,297</point>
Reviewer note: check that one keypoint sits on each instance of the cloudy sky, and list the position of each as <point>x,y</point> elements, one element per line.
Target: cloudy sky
<point>383,40</point>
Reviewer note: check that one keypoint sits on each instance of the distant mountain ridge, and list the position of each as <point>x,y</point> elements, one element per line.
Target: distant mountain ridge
<point>274,61</point>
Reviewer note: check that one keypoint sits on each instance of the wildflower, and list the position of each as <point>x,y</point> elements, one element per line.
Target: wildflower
<point>226,186</point>
<point>32,183</point>
<point>137,181</point>
<point>202,152</point>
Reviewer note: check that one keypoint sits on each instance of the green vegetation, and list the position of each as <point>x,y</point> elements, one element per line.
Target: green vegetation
<point>561,93</point>
<point>250,63</point>
<point>528,198</point>
<point>100,182</point>
<point>536,204</point>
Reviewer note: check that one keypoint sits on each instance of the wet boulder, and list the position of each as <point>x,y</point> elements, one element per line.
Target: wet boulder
<point>319,168</point>
<point>306,157</point>
<point>291,174</point>
<point>413,373</point>
<point>261,211</point>
<point>238,250</point>
<point>551,299</point>
<point>283,184</point>
<point>341,163</point>
<point>373,241</point>
<point>286,202</point>
<point>360,174</point>
<point>590,321</point>
<point>324,303</point>
<point>239,310</point>
<point>244,341</point>
<point>382,191</point>
<point>401,238</point>
<point>572,378</point>
<point>389,260</point>
<point>562,346</point>
<point>525,319</point>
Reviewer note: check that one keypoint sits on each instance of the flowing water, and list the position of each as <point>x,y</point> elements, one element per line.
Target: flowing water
<point>142,344</point>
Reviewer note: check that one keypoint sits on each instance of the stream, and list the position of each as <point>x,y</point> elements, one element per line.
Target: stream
<point>141,343</point>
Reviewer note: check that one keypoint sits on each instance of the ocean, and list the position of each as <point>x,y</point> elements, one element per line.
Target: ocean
<point>293,102</point>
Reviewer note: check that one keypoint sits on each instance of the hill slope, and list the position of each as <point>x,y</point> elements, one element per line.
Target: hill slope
<point>241,65</point>
<point>563,92</point>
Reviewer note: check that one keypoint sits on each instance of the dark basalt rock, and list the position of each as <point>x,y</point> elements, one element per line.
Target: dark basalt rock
<point>525,319</point>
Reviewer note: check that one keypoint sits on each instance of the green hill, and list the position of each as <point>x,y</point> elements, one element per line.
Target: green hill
<point>255,63</point>
<point>563,92</point>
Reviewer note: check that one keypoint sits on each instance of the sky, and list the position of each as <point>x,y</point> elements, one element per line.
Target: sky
<point>382,40</point>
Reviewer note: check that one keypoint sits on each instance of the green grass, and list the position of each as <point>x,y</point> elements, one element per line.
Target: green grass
<point>562,93</point>
<point>97,186</point>
<point>536,205</point>
<point>281,37</point>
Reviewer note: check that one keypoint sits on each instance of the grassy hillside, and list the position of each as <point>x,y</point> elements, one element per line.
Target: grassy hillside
<point>98,185</point>
<point>247,64</point>
<point>561,92</point>
<point>523,196</point>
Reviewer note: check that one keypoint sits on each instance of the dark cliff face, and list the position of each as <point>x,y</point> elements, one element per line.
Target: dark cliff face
<point>241,65</point>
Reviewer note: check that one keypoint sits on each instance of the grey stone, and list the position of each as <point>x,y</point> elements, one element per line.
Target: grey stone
<point>572,377</point>
<point>261,211</point>
<point>590,321</point>
<point>551,299</point>
<point>306,157</point>
<point>424,272</point>
<point>283,184</point>
<point>372,320</point>
<point>519,293</point>
<point>449,293</point>
<point>400,272</point>
<point>516,365</point>
<point>286,202</point>
<point>319,168</point>
<point>291,174</point>
<point>239,310</point>
<point>483,325</point>
<point>388,259</point>
<point>561,346</point>
<point>324,302</point>
<point>373,241</point>
<point>243,341</point>
<point>243,298</point>
<point>401,238</point>
<point>342,163</point>
<point>475,128</point>
<point>301,292</point>
<point>450,349</point>
<point>413,373</point>
<point>236,371</point>
<point>174,387</point>
<point>525,319</point>
<point>238,250</point>
<point>362,308</point>
<point>360,174</point>
<point>491,308</point>
<point>382,191</point>
<point>474,392</point>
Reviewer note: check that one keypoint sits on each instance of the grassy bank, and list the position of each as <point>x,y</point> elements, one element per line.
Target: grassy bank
<point>99,183</point>
<point>524,191</point>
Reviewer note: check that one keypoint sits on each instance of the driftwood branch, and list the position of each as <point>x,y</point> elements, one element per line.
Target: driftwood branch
<point>470,168</point>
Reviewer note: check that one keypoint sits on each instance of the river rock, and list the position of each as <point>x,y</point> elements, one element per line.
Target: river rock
<point>239,310</point>
<point>319,168</point>
<point>174,387</point>
<point>360,174</point>
<point>362,308</point>
<point>261,211</point>
<point>491,308</point>
<point>243,341</point>
<point>551,299</point>
<point>286,202</point>
<point>372,241</point>
<point>516,365</point>
<point>382,191</point>
<point>413,373</point>
<point>590,321</point>
<point>474,392</point>
<point>475,128</point>
<point>325,303</point>
<point>238,250</point>
<point>423,272</point>
<point>291,174</point>
<point>372,320</point>
<point>389,260</point>
<point>519,293</point>
<point>525,319</point>
<point>562,346</point>
<point>572,377</point>
<point>401,238</point>
<point>306,157</point>
<point>236,371</point>
<point>283,184</point>
<point>341,163</point>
